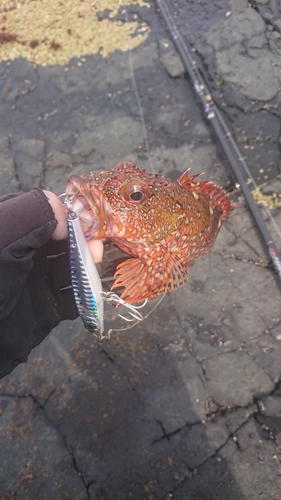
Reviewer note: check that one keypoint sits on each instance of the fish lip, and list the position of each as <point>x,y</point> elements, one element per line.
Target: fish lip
<point>87,216</point>
<point>87,203</point>
<point>93,216</point>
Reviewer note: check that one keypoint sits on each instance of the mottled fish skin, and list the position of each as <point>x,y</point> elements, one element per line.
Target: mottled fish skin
<point>164,225</point>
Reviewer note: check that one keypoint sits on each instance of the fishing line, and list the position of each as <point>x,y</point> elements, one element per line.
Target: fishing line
<point>146,142</point>
<point>224,136</point>
<point>80,269</point>
<point>141,113</point>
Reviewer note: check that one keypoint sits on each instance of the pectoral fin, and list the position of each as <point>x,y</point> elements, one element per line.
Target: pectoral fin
<point>146,282</point>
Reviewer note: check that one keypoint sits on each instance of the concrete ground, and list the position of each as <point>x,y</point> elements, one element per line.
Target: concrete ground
<point>186,405</point>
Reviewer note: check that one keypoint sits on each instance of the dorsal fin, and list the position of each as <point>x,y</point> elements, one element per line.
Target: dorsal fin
<point>217,198</point>
<point>209,191</point>
<point>188,181</point>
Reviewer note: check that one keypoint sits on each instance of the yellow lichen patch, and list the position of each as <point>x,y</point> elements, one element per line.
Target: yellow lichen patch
<point>6,5</point>
<point>51,32</point>
<point>268,200</point>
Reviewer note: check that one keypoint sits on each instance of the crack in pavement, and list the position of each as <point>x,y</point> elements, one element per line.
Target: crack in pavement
<point>63,437</point>
<point>233,256</point>
<point>258,364</point>
<point>168,435</point>
<point>231,435</point>
<point>266,428</point>
<point>123,372</point>
<point>223,410</point>
<point>260,420</point>
<point>240,238</point>
<point>267,331</point>
<point>235,349</point>
<point>181,343</point>
<point>103,351</point>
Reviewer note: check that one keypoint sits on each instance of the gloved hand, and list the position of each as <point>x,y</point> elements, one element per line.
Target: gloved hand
<point>34,273</point>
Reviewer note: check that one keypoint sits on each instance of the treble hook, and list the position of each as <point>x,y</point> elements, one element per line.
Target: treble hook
<point>114,298</point>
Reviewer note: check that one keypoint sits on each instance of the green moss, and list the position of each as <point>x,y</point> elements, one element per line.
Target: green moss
<point>51,32</point>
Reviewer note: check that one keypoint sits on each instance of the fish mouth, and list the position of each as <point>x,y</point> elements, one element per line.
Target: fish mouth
<point>90,220</point>
<point>88,205</point>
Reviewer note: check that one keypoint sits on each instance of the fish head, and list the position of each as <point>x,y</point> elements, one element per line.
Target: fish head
<point>125,204</point>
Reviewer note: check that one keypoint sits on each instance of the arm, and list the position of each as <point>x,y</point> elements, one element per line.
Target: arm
<point>27,222</point>
<point>31,300</point>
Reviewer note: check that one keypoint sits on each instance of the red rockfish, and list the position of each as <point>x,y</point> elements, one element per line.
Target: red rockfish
<point>163,225</point>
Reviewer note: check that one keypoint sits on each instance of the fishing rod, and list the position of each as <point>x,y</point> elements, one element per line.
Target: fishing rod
<point>213,115</point>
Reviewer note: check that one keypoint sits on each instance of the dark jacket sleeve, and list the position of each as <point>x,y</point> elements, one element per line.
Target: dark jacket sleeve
<point>31,300</point>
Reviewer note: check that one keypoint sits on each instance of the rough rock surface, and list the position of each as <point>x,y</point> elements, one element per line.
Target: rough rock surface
<point>186,405</point>
<point>237,45</point>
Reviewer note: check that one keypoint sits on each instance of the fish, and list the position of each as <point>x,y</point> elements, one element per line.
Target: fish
<point>162,225</point>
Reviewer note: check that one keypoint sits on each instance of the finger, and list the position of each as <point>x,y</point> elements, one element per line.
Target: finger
<point>60,212</point>
<point>96,249</point>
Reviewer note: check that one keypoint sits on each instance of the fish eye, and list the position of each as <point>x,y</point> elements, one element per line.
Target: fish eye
<point>136,195</point>
<point>135,190</point>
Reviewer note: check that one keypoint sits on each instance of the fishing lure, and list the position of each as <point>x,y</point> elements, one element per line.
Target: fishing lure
<point>85,280</point>
<point>87,284</point>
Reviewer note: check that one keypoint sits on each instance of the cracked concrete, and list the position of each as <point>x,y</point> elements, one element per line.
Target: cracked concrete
<point>185,405</point>
<point>237,46</point>
<point>35,456</point>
